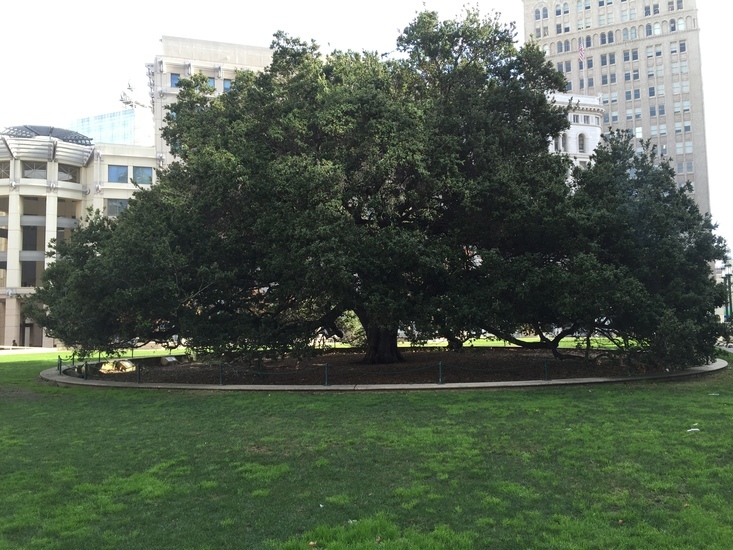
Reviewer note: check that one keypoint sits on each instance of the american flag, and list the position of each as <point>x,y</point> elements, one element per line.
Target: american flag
<point>581,53</point>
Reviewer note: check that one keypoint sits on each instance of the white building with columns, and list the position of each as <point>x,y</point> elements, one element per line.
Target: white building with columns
<point>586,127</point>
<point>49,177</point>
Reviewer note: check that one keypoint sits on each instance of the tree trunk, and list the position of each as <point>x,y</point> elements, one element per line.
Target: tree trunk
<point>382,347</point>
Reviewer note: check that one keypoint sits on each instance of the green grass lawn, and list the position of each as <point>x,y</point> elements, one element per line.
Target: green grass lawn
<point>604,467</point>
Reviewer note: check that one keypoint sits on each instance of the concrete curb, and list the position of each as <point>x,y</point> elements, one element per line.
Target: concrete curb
<point>53,376</point>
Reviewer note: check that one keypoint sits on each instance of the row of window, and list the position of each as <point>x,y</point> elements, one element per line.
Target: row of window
<point>586,119</point>
<point>677,67</point>
<point>39,170</point>
<point>561,144</point>
<point>629,33</point>
<point>582,5</point>
<point>226,82</point>
<point>142,175</point>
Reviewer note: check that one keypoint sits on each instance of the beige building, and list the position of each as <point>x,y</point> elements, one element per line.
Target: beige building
<point>49,177</point>
<point>642,57</point>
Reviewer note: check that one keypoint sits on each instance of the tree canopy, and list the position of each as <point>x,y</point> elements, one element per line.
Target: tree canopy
<point>417,192</point>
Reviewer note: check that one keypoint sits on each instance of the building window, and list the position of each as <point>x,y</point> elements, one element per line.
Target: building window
<point>69,173</point>
<point>5,170</point>
<point>211,81</point>
<point>35,170</point>
<point>680,24</point>
<point>115,206</point>
<point>117,174</point>
<point>175,77</point>
<point>651,91</point>
<point>142,175</point>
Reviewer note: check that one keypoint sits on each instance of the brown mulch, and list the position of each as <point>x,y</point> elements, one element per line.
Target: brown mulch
<point>420,367</point>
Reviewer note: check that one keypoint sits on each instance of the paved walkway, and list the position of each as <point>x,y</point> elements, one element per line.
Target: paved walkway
<point>53,376</point>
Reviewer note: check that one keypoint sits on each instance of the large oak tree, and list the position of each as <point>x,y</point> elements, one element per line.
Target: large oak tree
<point>416,191</point>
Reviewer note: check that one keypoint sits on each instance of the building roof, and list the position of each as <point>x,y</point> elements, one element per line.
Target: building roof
<point>67,136</point>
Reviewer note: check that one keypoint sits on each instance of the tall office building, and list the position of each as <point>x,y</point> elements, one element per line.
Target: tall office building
<point>642,58</point>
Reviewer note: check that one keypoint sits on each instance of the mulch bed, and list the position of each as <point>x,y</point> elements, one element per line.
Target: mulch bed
<point>420,367</point>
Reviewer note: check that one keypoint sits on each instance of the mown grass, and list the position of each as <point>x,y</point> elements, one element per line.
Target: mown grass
<point>579,467</point>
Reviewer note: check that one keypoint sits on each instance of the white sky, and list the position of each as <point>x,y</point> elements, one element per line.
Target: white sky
<point>70,59</point>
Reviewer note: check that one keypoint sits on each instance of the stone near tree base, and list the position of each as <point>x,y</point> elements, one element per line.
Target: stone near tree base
<point>165,361</point>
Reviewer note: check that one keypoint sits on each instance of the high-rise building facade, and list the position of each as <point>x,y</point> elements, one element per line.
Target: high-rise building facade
<point>642,58</point>
<point>185,57</point>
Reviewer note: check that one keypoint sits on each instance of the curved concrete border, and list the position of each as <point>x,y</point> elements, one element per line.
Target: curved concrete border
<point>53,376</point>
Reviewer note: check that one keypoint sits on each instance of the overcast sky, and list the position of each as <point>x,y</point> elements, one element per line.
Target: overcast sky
<point>64,60</point>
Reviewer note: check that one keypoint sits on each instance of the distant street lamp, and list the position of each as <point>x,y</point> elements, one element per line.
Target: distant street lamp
<point>727,272</point>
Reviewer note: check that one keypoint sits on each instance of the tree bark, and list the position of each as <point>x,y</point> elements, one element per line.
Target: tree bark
<point>382,347</point>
